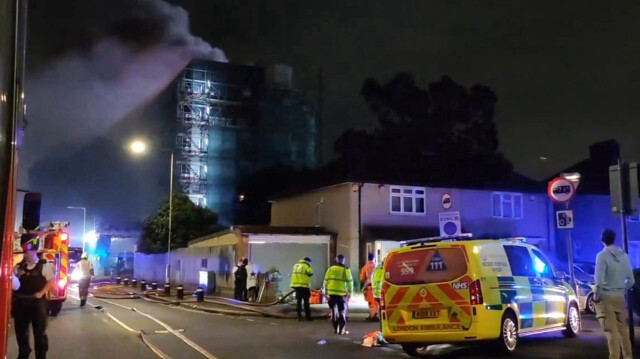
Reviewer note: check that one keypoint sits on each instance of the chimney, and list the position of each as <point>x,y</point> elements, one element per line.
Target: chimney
<point>604,153</point>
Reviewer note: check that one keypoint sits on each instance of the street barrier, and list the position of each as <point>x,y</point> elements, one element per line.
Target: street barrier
<point>118,279</point>
<point>200,295</point>
<point>143,285</point>
<point>154,285</point>
<point>134,282</point>
<point>126,281</point>
<point>180,290</point>
<point>167,289</point>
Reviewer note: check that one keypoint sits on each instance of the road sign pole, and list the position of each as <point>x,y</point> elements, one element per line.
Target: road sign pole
<point>625,238</point>
<point>572,272</point>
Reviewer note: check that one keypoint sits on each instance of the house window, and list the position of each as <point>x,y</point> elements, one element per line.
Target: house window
<point>507,205</point>
<point>408,200</point>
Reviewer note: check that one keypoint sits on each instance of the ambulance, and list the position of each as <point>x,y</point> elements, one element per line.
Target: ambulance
<point>457,290</point>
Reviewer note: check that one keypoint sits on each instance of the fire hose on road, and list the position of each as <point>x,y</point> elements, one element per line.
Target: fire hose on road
<point>210,304</point>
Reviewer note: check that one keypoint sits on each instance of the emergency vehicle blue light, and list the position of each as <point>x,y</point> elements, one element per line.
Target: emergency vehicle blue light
<point>538,265</point>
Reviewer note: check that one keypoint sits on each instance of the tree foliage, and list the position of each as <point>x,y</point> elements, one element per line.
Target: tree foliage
<point>188,222</point>
<point>445,128</point>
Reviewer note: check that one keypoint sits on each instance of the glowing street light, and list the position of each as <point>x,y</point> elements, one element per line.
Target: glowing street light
<point>138,147</point>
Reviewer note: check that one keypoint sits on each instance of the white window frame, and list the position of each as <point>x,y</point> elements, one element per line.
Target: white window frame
<point>399,191</point>
<point>510,198</point>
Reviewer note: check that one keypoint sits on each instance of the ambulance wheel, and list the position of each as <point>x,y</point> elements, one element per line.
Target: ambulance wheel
<point>508,340</point>
<point>573,321</point>
<point>55,308</point>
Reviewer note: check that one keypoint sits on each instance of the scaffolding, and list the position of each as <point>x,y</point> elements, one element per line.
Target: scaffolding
<point>210,97</point>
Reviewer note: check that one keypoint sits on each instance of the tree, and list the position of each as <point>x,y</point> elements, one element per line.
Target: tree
<point>189,221</point>
<point>446,131</point>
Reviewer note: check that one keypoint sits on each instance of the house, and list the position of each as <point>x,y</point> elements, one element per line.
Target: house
<point>372,217</point>
<point>592,208</point>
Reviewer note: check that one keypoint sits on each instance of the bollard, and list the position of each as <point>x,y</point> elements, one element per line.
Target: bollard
<point>180,290</point>
<point>154,285</point>
<point>167,289</point>
<point>126,281</point>
<point>200,295</point>
<point>118,280</point>
<point>143,285</point>
<point>134,282</point>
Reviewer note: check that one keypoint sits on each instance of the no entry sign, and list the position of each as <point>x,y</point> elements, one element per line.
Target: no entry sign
<point>561,190</point>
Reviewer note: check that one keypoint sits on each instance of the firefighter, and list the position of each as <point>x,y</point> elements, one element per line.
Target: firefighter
<point>30,301</point>
<point>366,275</point>
<point>300,278</point>
<point>338,285</point>
<point>376,284</point>
<point>86,272</point>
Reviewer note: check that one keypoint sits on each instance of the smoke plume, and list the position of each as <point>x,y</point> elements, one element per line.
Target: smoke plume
<point>85,93</point>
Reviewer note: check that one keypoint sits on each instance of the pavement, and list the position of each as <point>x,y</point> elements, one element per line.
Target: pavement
<point>180,333</point>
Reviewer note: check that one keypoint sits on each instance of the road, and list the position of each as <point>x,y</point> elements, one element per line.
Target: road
<point>96,334</point>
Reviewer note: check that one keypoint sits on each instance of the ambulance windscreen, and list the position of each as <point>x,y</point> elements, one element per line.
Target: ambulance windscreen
<point>424,266</point>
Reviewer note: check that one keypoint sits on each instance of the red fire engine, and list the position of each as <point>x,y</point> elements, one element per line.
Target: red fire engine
<point>12,49</point>
<point>54,247</point>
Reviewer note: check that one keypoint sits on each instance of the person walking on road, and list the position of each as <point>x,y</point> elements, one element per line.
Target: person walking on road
<point>86,272</point>
<point>35,279</point>
<point>366,276</point>
<point>338,285</point>
<point>300,282</point>
<point>240,282</point>
<point>613,277</point>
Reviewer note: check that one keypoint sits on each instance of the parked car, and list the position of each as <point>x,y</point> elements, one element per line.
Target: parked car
<point>585,283</point>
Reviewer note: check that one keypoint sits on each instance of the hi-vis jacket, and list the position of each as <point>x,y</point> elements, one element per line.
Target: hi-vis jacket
<point>376,281</point>
<point>300,275</point>
<point>338,280</point>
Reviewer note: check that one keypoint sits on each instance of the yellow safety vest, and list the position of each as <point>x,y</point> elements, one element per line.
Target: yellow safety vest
<point>300,275</point>
<point>376,282</point>
<point>338,280</point>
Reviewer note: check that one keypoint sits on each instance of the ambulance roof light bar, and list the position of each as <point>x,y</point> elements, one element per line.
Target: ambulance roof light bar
<point>460,237</point>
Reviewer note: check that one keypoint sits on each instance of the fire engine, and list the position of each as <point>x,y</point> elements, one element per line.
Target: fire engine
<point>54,248</point>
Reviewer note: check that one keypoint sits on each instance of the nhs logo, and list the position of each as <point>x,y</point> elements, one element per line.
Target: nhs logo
<point>459,285</point>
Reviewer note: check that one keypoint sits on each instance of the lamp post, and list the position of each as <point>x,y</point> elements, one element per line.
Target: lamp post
<point>84,222</point>
<point>139,147</point>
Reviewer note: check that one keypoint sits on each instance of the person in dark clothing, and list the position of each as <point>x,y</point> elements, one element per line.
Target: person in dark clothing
<point>30,302</point>
<point>241,281</point>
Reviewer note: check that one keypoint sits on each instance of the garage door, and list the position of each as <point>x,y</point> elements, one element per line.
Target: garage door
<point>282,256</point>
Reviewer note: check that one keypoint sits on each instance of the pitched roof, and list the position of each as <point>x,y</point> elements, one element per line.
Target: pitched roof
<point>338,172</point>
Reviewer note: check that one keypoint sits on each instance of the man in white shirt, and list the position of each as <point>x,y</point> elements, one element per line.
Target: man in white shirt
<point>86,271</point>
<point>30,304</point>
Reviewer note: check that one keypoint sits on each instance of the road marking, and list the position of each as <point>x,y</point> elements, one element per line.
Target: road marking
<point>139,333</point>
<point>250,320</point>
<point>167,327</point>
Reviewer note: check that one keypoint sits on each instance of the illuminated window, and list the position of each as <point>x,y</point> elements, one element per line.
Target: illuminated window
<point>407,200</point>
<point>507,205</point>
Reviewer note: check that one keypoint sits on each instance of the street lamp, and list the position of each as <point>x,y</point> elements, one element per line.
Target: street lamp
<point>139,147</point>
<point>84,222</point>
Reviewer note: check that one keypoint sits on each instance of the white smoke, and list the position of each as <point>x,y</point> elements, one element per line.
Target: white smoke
<point>85,93</point>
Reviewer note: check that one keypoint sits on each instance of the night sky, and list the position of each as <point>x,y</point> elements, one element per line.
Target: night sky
<point>567,74</point>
